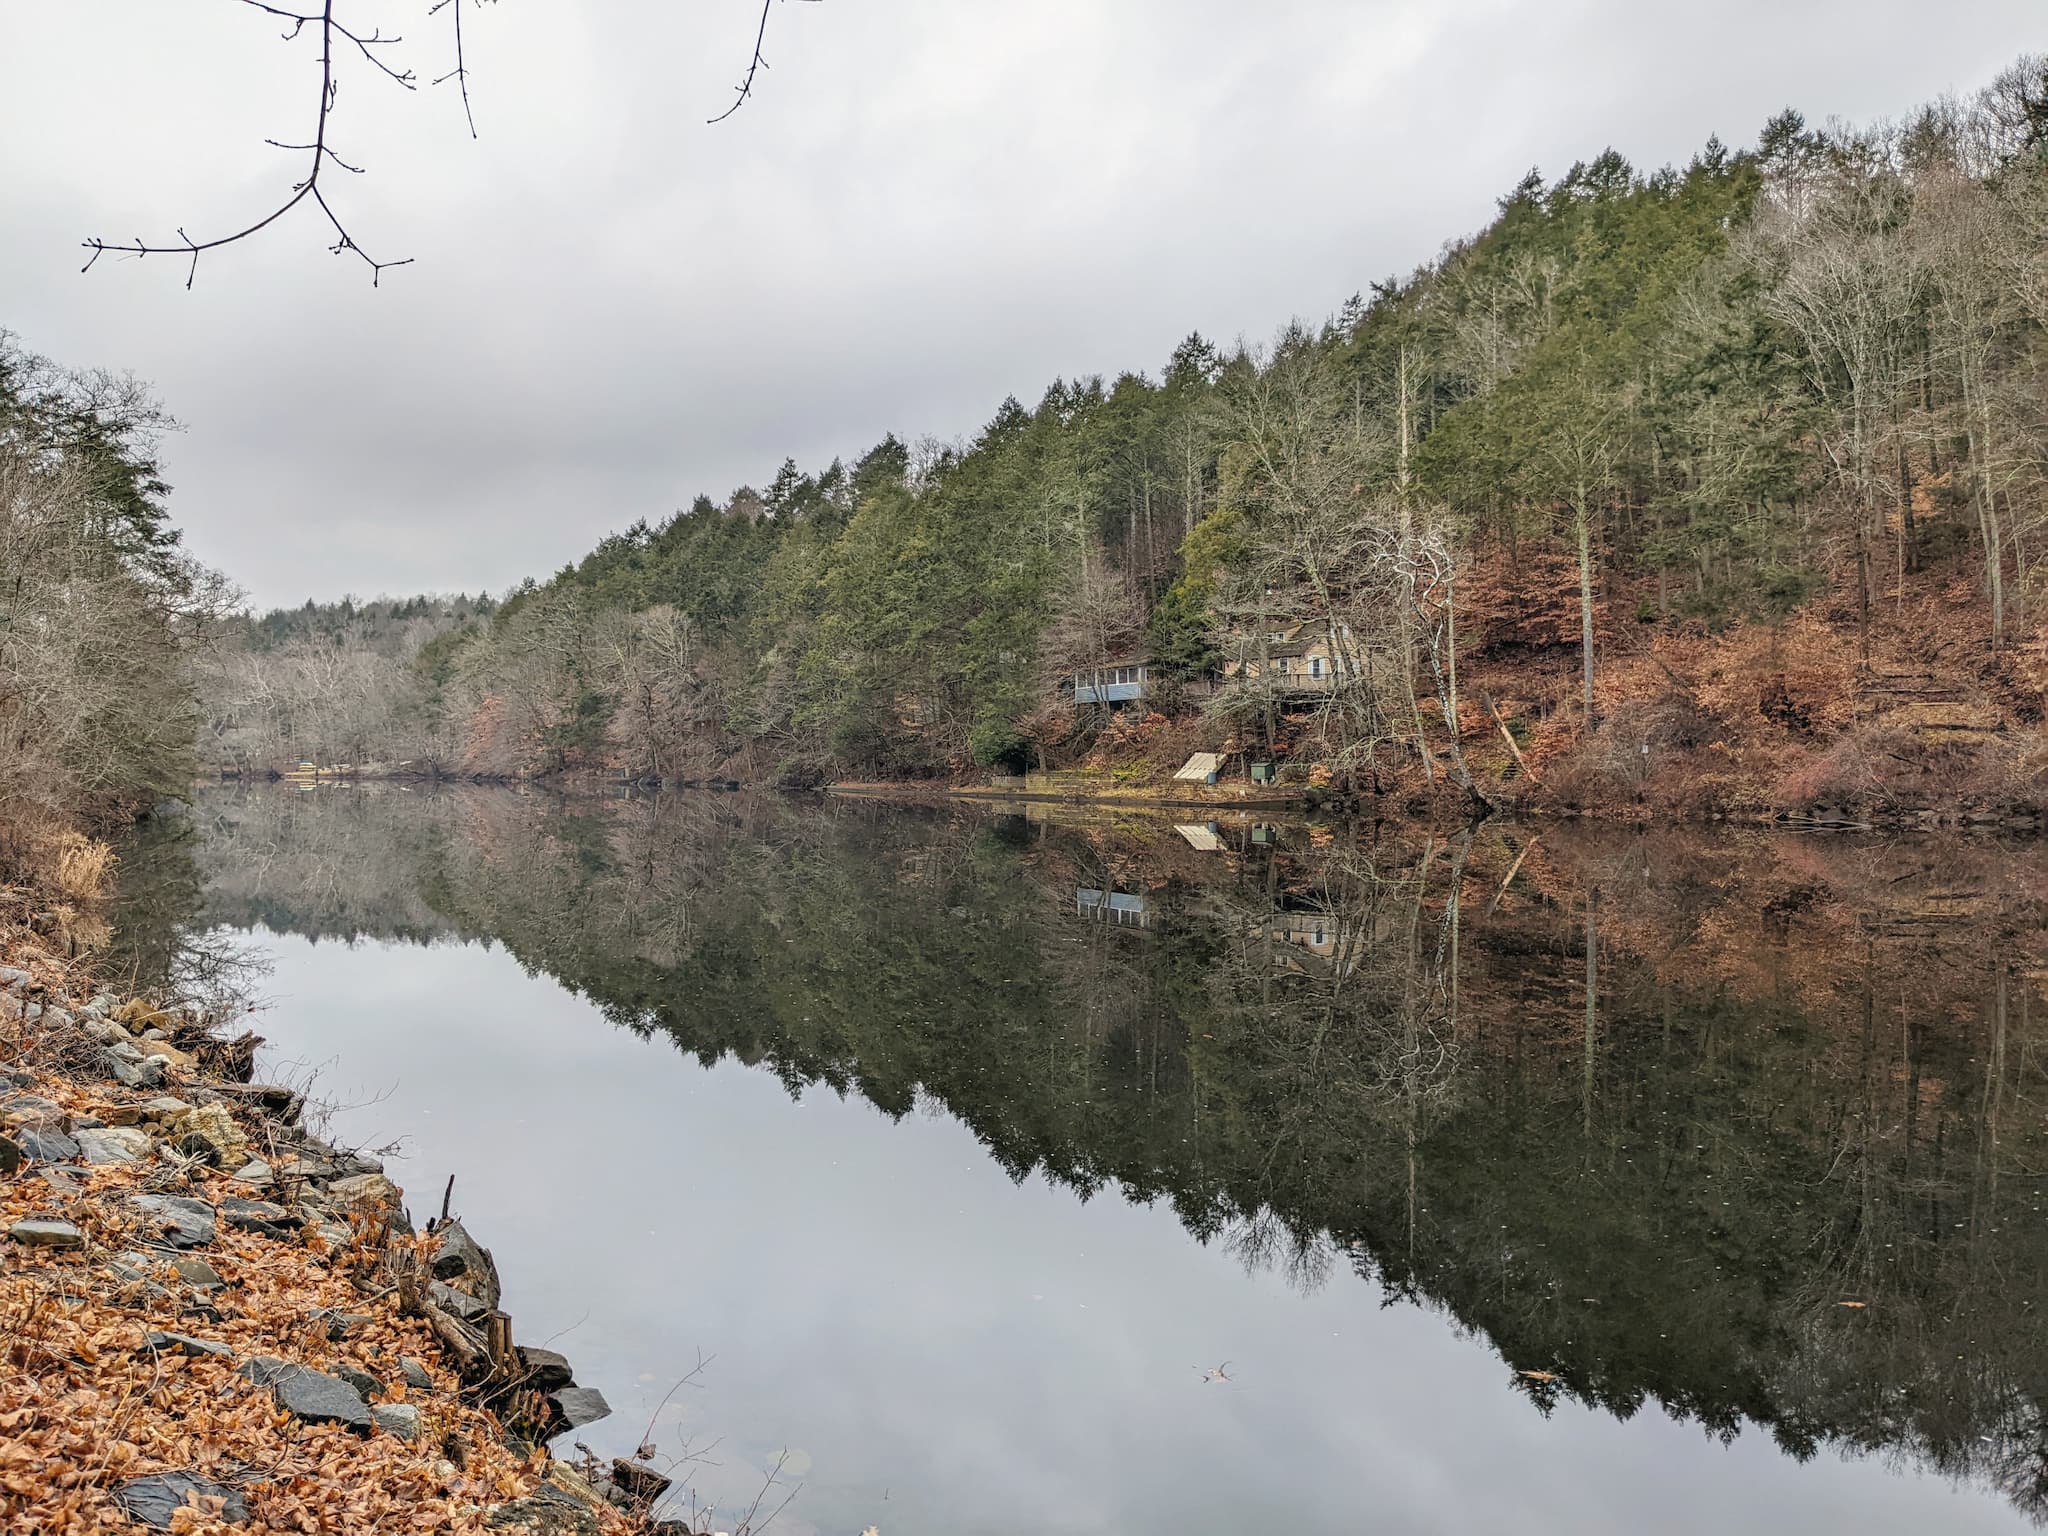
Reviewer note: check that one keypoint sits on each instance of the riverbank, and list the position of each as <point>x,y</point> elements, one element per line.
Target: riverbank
<point>215,1320</point>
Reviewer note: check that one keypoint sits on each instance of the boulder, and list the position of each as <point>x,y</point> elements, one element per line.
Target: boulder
<point>642,1484</point>
<point>258,1216</point>
<point>164,1051</point>
<point>198,1274</point>
<point>155,1501</point>
<point>308,1394</point>
<point>364,1189</point>
<point>184,1344</point>
<point>579,1406</point>
<point>400,1419</point>
<point>361,1380</point>
<point>546,1371</point>
<point>466,1264</point>
<point>134,1074</point>
<point>281,1102</point>
<point>415,1375</point>
<point>216,1128</point>
<point>48,1146</point>
<point>185,1223</point>
<point>254,1174</point>
<point>154,1109</point>
<point>114,1144</point>
<point>46,1232</point>
<point>542,1515</point>
<point>29,1109</point>
<point>456,1303</point>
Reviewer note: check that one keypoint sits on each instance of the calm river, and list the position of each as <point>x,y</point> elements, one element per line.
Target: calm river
<point>1095,1176</point>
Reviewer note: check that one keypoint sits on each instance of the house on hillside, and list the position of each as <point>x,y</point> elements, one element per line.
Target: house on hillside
<point>1118,682</point>
<point>1291,657</point>
<point>1119,909</point>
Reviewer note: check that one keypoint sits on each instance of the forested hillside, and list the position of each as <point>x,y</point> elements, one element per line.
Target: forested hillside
<point>1714,487</point>
<point>101,615</point>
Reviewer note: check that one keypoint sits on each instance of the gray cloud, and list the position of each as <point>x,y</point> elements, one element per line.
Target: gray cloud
<point>929,205</point>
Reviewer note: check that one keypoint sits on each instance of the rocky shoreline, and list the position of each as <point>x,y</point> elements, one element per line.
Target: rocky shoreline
<point>213,1320</point>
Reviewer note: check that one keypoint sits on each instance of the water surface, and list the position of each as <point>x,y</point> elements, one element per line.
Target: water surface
<point>968,1146</point>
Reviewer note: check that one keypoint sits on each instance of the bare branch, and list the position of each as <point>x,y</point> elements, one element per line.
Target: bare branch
<point>460,73</point>
<point>319,151</point>
<point>758,63</point>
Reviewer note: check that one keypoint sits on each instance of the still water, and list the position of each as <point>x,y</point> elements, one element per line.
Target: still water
<point>1026,1175</point>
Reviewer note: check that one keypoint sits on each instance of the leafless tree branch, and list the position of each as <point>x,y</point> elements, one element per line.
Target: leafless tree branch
<point>318,150</point>
<point>754,66</point>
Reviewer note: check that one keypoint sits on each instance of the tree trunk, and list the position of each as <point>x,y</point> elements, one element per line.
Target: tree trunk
<point>1582,525</point>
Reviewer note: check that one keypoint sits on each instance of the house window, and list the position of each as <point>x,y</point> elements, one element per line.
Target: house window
<point>1315,666</point>
<point>1283,666</point>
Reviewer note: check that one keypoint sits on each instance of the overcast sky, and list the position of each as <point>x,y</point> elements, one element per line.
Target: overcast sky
<point>929,205</point>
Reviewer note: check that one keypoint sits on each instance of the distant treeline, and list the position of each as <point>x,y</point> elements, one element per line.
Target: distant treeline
<point>1804,377</point>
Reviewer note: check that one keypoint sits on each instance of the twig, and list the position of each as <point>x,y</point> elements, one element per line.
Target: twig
<point>318,149</point>
<point>460,73</point>
<point>746,86</point>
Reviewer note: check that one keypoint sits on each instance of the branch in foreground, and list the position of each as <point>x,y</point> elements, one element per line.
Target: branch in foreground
<point>319,150</point>
<point>746,86</point>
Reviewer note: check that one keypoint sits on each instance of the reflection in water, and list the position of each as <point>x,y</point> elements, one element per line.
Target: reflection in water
<point>1746,1127</point>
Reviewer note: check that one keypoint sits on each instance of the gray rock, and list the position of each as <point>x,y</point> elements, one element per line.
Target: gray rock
<point>642,1484</point>
<point>65,1181</point>
<point>126,1050</point>
<point>103,1031</point>
<point>12,1156</point>
<point>147,1073</point>
<point>198,1274</point>
<point>465,1263</point>
<point>186,1223</point>
<point>258,1216</point>
<point>547,1513</point>
<point>279,1101</point>
<point>458,1303</point>
<point>254,1174</point>
<point>32,1011</point>
<point>156,1500</point>
<point>114,1144</point>
<point>185,1344</point>
<point>341,1324</point>
<point>29,1109</point>
<point>13,978</point>
<point>59,1018</point>
<point>310,1395</point>
<point>48,1145</point>
<point>579,1406</point>
<point>132,1266</point>
<point>415,1375</point>
<point>400,1419</point>
<point>361,1380</point>
<point>46,1232</point>
<point>546,1371</point>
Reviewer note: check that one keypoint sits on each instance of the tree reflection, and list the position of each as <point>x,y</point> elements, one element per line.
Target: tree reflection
<point>1747,1128</point>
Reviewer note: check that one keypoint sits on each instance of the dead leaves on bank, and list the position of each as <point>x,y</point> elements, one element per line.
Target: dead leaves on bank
<point>86,1403</point>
